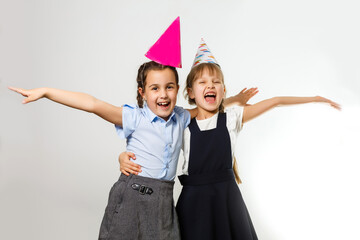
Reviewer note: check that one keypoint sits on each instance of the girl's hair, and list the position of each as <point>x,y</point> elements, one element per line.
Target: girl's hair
<point>236,173</point>
<point>143,71</point>
<point>196,72</point>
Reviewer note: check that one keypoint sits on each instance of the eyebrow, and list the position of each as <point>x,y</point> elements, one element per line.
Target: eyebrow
<point>211,79</point>
<point>157,85</point>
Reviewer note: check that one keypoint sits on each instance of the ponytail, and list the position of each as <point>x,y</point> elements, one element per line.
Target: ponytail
<point>236,173</point>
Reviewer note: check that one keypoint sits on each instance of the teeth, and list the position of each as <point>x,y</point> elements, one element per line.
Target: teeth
<point>162,104</point>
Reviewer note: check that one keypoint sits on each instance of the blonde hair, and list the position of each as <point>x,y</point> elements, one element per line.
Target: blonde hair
<point>195,73</point>
<point>236,172</point>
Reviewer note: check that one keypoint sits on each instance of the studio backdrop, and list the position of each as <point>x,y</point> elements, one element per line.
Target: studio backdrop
<point>299,165</point>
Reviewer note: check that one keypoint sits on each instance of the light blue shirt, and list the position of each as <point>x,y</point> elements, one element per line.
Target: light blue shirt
<point>155,142</point>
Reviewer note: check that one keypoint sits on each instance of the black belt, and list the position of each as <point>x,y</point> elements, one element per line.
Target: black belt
<point>142,189</point>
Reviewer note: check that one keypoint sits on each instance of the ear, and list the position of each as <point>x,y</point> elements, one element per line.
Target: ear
<point>141,92</point>
<point>190,93</point>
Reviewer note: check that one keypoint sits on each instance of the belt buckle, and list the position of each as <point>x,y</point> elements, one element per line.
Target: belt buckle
<point>142,189</point>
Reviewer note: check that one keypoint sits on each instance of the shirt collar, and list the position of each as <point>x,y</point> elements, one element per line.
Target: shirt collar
<point>153,117</point>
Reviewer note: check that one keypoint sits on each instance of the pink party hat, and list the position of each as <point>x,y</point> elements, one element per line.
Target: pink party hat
<point>204,55</point>
<point>167,49</point>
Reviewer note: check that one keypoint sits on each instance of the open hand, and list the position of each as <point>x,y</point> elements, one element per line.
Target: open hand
<point>244,96</point>
<point>31,95</point>
<point>128,167</point>
<point>325,100</point>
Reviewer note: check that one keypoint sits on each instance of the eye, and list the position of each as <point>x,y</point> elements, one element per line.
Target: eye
<point>154,88</point>
<point>170,87</point>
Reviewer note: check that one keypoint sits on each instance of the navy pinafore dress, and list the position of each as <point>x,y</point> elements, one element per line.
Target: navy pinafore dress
<point>210,206</point>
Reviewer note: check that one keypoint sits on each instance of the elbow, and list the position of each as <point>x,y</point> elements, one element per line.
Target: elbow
<point>276,101</point>
<point>92,105</point>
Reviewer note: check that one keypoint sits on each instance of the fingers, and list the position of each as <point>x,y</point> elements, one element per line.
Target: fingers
<point>126,166</point>
<point>25,93</point>
<point>253,91</point>
<point>129,165</point>
<point>14,89</point>
<point>335,105</point>
<point>27,100</point>
<point>131,155</point>
<point>19,90</point>
<point>134,168</point>
<point>127,171</point>
<point>126,156</point>
<point>124,160</point>
<point>124,172</point>
<point>250,93</point>
<point>332,104</point>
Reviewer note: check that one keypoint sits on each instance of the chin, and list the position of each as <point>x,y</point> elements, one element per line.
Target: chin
<point>164,114</point>
<point>212,107</point>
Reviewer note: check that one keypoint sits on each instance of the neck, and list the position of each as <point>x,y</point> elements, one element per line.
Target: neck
<point>203,114</point>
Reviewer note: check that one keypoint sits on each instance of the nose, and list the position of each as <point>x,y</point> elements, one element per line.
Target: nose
<point>211,85</point>
<point>163,93</point>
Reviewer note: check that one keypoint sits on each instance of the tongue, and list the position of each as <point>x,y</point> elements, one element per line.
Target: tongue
<point>164,106</point>
<point>210,99</point>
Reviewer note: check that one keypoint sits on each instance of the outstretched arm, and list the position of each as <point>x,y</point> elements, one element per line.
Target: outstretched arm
<point>250,112</point>
<point>81,101</point>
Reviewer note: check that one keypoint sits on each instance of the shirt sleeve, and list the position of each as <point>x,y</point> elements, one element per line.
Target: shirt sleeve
<point>184,115</point>
<point>130,118</point>
<point>235,117</point>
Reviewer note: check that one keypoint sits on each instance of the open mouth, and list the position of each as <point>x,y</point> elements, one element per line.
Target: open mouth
<point>163,105</point>
<point>210,97</point>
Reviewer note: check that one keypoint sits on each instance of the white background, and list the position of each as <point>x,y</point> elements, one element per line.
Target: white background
<point>299,165</point>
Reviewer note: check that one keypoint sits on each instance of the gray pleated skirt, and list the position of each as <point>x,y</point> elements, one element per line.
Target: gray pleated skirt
<point>135,214</point>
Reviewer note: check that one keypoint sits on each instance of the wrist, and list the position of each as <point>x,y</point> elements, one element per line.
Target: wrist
<point>317,99</point>
<point>44,92</point>
<point>227,101</point>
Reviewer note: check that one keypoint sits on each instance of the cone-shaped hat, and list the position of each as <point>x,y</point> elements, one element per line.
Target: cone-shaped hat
<point>204,55</point>
<point>167,49</point>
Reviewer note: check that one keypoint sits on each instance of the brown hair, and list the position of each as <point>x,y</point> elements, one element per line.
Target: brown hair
<point>143,71</point>
<point>196,72</point>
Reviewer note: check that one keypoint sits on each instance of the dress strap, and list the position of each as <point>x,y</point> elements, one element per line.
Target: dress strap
<point>193,126</point>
